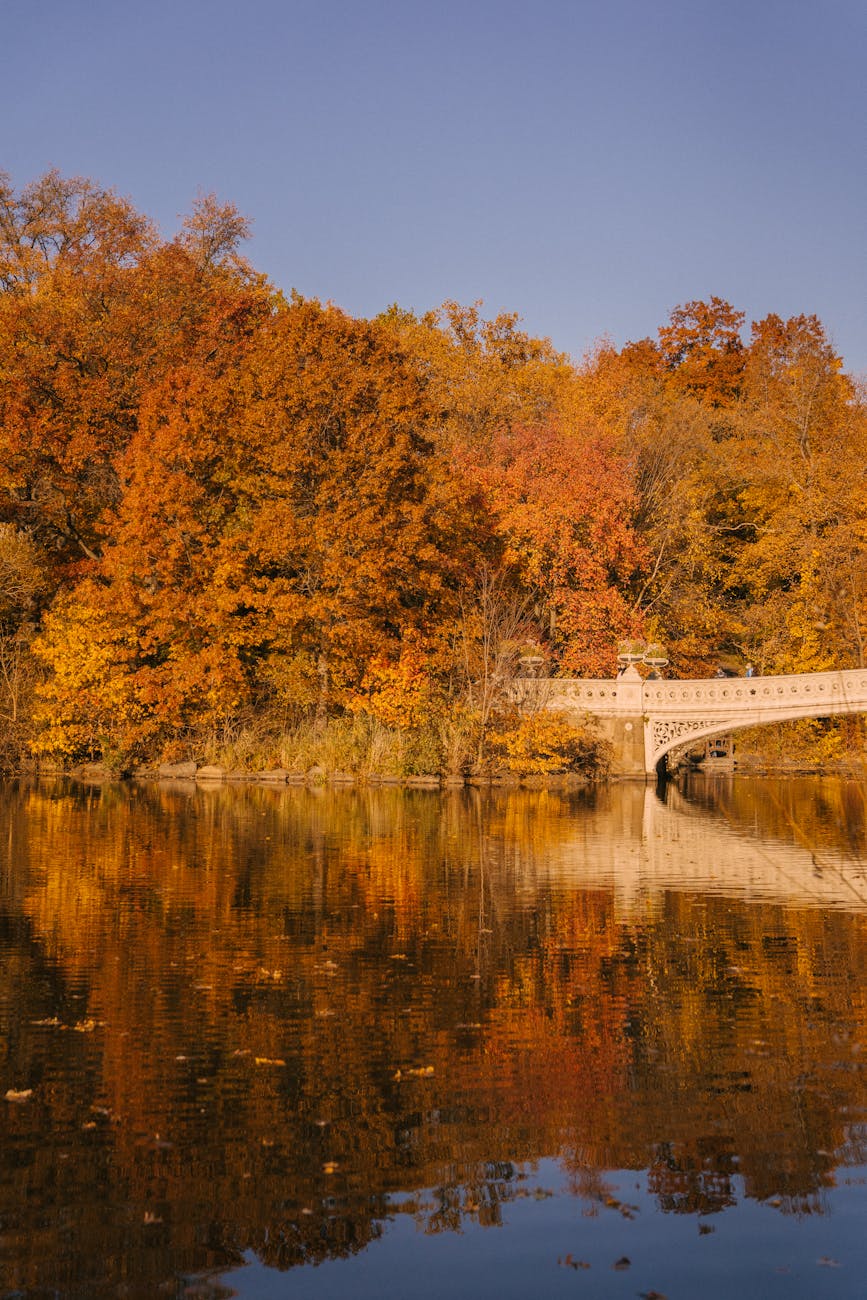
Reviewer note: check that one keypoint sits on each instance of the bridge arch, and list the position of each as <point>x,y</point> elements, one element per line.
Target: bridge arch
<point>679,713</point>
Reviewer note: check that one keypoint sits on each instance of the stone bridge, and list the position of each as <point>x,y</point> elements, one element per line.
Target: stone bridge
<point>646,720</point>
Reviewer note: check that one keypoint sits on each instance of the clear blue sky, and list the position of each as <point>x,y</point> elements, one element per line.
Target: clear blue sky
<point>587,164</point>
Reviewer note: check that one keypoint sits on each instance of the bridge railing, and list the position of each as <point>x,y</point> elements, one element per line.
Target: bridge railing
<point>630,695</point>
<point>747,694</point>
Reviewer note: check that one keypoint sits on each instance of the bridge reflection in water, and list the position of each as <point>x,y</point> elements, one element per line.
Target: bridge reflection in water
<point>642,843</point>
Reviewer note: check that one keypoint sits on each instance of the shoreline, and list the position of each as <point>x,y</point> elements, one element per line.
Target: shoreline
<point>208,776</point>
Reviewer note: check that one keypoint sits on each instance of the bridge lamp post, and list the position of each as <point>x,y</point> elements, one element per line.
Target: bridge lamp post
<point>655,656</point>
<point>629,653</point>
<point>531,665</point>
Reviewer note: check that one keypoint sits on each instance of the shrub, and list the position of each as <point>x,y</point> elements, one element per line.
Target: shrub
<point>536,744</point>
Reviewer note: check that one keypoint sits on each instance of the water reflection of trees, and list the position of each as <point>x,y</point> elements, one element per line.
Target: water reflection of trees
<point>262,1020</point>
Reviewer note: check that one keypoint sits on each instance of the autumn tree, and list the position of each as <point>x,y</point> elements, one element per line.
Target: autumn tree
<point>94,308</point>
<point>748,462</point>
<point>515,425</point>
<point>563,503</point>
<point>702,350</point>
<point>294,505</point>
<point>802,463</point>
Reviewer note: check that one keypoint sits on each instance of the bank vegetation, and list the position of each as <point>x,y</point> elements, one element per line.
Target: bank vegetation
<point>250,529</point>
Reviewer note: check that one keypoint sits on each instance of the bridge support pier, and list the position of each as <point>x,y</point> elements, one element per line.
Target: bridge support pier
<point>626,737</point>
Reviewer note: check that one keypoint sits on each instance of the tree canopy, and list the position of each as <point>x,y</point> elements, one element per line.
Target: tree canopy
<point>215,499</point>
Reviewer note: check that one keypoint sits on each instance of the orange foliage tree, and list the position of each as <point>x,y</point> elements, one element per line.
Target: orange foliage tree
<point>293,504</point>
<point>94,308</point>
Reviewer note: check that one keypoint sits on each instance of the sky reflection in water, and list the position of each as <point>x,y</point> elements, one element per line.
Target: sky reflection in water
<point>483,1042</point>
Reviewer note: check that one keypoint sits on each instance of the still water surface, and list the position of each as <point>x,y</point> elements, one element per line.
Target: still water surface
<point>354,1043</point>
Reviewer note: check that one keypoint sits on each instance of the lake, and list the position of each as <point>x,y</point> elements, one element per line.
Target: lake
<point>319,1043</point>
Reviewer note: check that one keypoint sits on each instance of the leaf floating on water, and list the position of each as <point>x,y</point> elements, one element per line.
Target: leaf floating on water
<point>623,1263</point>
<point>151,1218</point>
<point>418,1072</point>
<point>569,1262</point>
<point>705,1228</point>
<point>19,1094</point>
<point>50,1022</point>
<point>330,1167</point>
<point>827,1262</point>
<point>652,1295</point>
<point>268,1060</point>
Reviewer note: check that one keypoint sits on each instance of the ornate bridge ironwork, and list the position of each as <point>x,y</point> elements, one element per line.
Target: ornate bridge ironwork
<point>677,713</point>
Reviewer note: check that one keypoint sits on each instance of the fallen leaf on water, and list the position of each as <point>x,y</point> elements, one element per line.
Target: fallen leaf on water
<point>827,1262</point>
<point>268,1060</point>
<point>23,1094</point>
<point>330,1167</point>
<point>569,1262</point>
<point>51,1022</point>
<point>622,1263</point>
<point>151,1218</point>
<point>704,1229</point>
<point>416,1072</point>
